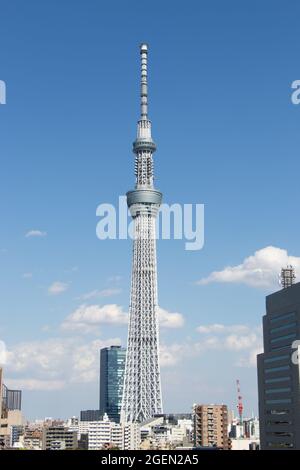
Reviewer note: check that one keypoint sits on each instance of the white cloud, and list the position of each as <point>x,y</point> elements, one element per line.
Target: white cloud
<point>170,320</point>
<point>116,278</point>
<point>55,363</point>
<point>46,328</point>
<point>242,340</point>
<point>251,359</point>
<point>73,269</point>
<point>259,270</point>
<point>57,288</point>
<point>35,384</point>
<point>219,328</point>
<point>171,354</point>
<point>100,293</point>
<point>35,233</point>
<point>3,353</point>
<point>87,317</point>
<point>27,276</point>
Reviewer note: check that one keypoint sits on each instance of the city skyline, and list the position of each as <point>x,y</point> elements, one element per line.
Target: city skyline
<point>220,95</point>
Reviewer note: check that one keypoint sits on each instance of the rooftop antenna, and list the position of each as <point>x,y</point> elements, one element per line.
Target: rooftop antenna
<point>287,277</point>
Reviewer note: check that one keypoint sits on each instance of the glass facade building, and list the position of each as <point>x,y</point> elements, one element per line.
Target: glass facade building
<point>112,368</point>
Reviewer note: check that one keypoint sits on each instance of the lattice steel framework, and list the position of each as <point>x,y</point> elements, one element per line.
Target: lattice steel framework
<point>288,277</point>
<point>142,388</point>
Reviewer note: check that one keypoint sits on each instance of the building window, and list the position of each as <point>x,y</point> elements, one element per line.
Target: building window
<point>277,379</point>
<point>282,338</point>
<point>279,400</point>
<point>276,358</point>
<point>282,445</point>
<point>285,316</point>
<point>272,423</point>
<point>278,412</point>
<point>278,390</point>
<point>280,348</point>
<point>280,434</point>
<point>276,369</point>
<point>283,327</point>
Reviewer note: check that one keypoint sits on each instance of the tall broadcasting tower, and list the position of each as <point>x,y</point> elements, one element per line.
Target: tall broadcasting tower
<point>142,389</point>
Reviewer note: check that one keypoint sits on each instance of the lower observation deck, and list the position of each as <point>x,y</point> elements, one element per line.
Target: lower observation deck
<point>144,196</point>
<point>144,200</point>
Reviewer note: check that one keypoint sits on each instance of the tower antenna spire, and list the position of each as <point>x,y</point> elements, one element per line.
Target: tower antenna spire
<point>144,83</point>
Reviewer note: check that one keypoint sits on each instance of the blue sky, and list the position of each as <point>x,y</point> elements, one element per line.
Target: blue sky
<point>227,136</point>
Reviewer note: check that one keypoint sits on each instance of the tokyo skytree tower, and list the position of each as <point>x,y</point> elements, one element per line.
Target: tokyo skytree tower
<point>142,388</point>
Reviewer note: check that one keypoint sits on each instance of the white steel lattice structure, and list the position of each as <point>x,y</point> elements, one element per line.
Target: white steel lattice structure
<point>142,388</point>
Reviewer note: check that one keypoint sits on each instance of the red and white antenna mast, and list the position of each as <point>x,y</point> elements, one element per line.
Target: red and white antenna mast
<point>240,406</point>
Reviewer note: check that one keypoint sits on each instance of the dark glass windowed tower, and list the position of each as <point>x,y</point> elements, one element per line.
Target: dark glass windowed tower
<point>112,366</point>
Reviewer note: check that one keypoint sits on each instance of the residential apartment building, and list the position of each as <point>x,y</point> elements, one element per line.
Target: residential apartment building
<point>211,426</point>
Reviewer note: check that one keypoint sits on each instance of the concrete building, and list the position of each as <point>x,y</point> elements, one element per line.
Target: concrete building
<point>211,426</point>
<point>53,436</point>
<point>248,430</point>
<point>10,412</point>
<point>112,368</point>
<point>167,431</point>
<point>244,444</point>
<point>33,439</point>
<point>251,428</point>
<point>279,372</point>
<point>58,445</point>
<point>15,433</point>
<point>106,433</point>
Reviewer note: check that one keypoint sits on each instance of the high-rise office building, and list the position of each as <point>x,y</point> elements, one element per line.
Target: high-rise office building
<point>112,366</point>
<point>279,372</point>
<point>211,426</point>
<point>142,388</point>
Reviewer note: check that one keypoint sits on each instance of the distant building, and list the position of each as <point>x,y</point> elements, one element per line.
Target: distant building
<point>33,439</point>
<point>112,368</point>
<point>90,415</point>
<point>10,412</point>
<point>83,427</point>
<point>211,426</point>
<point>59,438</point>
<point>12,399</point>
<point>244,444</point>
<point>83,442</point>
<point>248,430</point>
<point>108,434</point>
<point>58,445</point>
<point>251,428</point>
<point>278,374</point>
<point>15,433</point>
<point>167,431</point>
